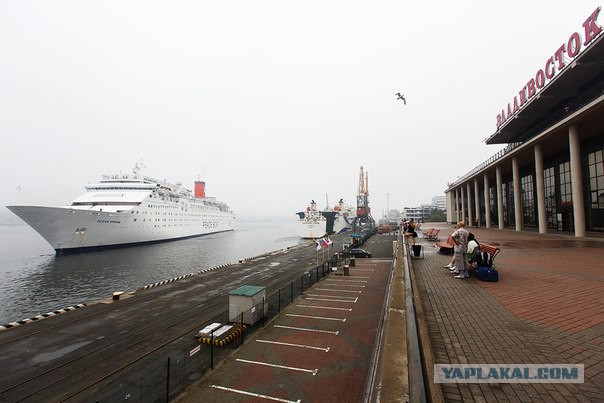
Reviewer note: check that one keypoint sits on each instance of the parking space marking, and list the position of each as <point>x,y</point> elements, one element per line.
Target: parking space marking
<point>328,296</point>
<point>345,281</point>
<point>243,392</point>
<point>315,317</point>
<point>325,307</point>
<point>304,329</point>
<point>326,349</point>
<point>352,301</point>
<point>346,285</point>
<point>336,290</point>
<point>310,371</point>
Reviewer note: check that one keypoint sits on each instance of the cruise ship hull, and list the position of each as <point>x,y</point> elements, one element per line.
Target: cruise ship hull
<point>74,230</point>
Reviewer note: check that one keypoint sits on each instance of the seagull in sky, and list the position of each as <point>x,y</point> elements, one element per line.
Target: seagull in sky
<point>399,96</point>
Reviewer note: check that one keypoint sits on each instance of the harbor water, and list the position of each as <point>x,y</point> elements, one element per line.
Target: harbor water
<point>33,280</point>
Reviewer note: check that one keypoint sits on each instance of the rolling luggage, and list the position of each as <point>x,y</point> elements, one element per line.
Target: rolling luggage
<point>487,273</point>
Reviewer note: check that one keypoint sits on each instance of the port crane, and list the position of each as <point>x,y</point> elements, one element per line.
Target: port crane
<point>363,222</point>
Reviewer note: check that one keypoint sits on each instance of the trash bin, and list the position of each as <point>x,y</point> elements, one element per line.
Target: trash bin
<point>352,262</point>
<point>417,250</point>
<point>346,270</point>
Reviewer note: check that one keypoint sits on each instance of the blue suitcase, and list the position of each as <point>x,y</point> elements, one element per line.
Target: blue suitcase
<point>487,274</point>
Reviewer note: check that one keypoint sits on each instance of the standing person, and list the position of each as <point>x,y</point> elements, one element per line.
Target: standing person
<point>451,265</point>
<point>460,237</point>
<point>410,231</point>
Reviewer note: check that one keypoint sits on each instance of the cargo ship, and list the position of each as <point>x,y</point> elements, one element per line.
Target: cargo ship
<point>130,209</point>
<point>311,223</point>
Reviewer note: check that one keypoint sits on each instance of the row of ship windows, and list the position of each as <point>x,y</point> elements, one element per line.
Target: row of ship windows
<point>205,225</point>
<point>169,219</point>
<point>166,206</point>
<point>166,213</point>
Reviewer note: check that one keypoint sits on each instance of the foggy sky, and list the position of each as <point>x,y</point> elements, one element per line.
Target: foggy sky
<point>272,103</point>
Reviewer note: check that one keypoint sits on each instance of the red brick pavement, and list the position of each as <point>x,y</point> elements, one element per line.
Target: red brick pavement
<point>349,332</point>
<point>547,308</point>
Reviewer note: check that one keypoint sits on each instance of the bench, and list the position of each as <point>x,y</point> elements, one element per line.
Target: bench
<point>491,250</point>
<point>432,234</point>
<point>446,248</point>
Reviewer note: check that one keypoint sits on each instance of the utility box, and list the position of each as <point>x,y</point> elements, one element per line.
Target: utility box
<point>249,300</point>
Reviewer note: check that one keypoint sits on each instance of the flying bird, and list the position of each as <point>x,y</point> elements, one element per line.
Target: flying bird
<point>402,97</point>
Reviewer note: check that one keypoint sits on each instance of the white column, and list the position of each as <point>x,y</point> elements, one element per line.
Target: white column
<point>574,146</point>
<point>499,197</point>
<point>476,202</point>
<point>449,205</point>
<point>470,216</point>
<point>540,183</point>
<point>487,201</point>
<point>517,193</point>
<point>463,203</point>
<point>456,205</point>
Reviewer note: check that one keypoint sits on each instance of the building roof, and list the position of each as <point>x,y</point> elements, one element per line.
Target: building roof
<point>581,81</point>
<point>247,290</point>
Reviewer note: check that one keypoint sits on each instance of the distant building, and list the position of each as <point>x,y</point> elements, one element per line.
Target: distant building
<point>392,217</point>
<point>440,202</point>
<point>418,214</point>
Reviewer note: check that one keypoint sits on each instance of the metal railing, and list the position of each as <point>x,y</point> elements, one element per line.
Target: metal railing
<point>417,388</point>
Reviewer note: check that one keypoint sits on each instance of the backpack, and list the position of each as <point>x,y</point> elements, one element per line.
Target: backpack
<point>484,259</point>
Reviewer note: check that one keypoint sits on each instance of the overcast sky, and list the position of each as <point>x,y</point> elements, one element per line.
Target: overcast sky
<point>272,103</point>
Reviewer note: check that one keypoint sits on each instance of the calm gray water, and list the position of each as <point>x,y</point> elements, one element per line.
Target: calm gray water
<point>33,280</point>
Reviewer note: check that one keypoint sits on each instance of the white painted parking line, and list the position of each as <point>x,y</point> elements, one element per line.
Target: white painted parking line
<point>326,349</point>
<point>336,290</point>
<point>327,296</point>
<point>325,307</point>
<point>345,285</point>
<point>330,280</point>
<point>304,329</point>
<point>310,371</point>
<point>315,317</point>
<point>354,301</point>
<point>243,392</point>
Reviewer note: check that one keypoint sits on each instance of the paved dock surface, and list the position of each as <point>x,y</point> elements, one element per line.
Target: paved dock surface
<point>546,308</point>
<point>318,350</point>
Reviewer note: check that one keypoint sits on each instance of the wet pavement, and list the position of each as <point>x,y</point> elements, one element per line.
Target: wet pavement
<point>546,308</point>
<point>319,349</point>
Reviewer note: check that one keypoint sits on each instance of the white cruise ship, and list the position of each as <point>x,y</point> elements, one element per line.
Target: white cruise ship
<point>124,210</point>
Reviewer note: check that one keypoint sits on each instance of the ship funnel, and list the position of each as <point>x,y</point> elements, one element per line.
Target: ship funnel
<point>200,189</point>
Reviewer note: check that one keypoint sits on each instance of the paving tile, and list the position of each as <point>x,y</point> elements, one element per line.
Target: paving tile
<point>547,308</point>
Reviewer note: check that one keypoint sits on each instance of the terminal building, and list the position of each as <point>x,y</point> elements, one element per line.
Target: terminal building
<point>550,176</point>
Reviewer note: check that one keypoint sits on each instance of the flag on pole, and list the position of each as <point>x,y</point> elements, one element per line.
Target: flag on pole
<point>324,242</point>
<point>318,245</point>
<point>329,241</point>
